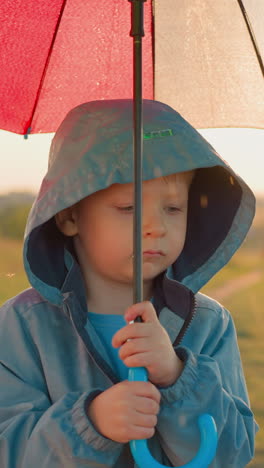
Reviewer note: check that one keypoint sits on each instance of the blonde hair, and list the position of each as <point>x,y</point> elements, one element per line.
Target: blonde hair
<point>187,175</point>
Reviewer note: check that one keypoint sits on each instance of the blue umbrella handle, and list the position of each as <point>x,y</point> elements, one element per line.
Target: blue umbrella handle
<point>208,433</point>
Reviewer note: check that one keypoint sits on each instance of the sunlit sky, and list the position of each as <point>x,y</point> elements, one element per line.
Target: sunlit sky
<point>23,163</point>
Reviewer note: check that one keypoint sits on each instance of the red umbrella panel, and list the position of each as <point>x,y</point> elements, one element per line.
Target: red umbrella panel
<point>56,55</point>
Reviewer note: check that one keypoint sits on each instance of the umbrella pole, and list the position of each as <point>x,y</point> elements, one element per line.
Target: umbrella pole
<point>139,448</point>
<point>137,32</point>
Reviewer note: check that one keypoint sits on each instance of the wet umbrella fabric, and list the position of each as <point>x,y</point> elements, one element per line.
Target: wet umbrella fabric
<point>197,57</point>
<point>56,55</point>
<point>207,65</point>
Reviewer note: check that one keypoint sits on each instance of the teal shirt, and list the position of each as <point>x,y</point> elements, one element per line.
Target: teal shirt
<point>106,325</point>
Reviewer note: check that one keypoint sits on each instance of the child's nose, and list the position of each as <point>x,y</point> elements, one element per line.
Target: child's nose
<point>153,226</point>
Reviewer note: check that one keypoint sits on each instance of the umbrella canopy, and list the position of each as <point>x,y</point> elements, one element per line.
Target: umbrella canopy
<point>209,61</point>
<point>197,56</point>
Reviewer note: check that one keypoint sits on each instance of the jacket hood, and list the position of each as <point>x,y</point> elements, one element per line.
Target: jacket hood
<point>93,149</point>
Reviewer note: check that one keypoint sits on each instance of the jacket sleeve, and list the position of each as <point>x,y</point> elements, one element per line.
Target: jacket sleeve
<point>33,431</point>
<point>212,382</point>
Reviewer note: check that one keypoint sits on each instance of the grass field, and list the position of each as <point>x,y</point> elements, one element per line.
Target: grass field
<point>12,276</point>
<point>245,304</point>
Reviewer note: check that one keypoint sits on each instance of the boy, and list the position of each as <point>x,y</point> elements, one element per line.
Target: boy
<point>67,343</point>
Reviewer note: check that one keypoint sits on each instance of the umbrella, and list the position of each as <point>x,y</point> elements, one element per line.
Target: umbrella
<point>37,101</point>
<point>198,56</point>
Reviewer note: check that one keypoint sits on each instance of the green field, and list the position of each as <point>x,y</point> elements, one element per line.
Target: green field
<point>244,302</point>
<point>246,305</point>
<point>12,276</point>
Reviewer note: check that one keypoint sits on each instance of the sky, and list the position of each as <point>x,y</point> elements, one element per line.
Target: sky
<point>23,163</point>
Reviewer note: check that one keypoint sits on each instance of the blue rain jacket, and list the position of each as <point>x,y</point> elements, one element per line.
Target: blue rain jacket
<point>53,363</point>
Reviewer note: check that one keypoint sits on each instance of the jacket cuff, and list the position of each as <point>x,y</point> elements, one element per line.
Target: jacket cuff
<point>84,427</point>
<point>185,383</point>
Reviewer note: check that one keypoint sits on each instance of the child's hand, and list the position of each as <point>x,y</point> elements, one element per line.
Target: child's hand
<point>127,411</point>
<point>148,345</point>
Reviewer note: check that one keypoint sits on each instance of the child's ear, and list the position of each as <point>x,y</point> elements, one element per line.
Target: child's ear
<point>66,222</point>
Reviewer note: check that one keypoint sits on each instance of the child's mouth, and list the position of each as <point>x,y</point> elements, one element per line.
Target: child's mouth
<point>153,253</point>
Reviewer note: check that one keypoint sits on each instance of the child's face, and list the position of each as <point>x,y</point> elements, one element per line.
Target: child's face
<point>104,228</point>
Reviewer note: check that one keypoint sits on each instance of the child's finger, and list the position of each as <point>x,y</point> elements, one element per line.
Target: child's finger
<point>130,332</point>
<point>145,420</point>
<point>147,390</point>
<point>140,360</point>
<point>130,347</point>
<point>145,310</point>
<point>141,389</point>
<point>147,405</point>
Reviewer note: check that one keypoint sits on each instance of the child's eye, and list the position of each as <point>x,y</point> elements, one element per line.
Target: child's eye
<point>126,209</point>
<point>172,209</point>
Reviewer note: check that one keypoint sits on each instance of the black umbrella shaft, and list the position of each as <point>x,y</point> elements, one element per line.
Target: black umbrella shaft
<point>138,150</point>
<point>137,32</point>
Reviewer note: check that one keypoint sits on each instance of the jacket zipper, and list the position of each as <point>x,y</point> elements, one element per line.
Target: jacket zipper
<point>187,322</point>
